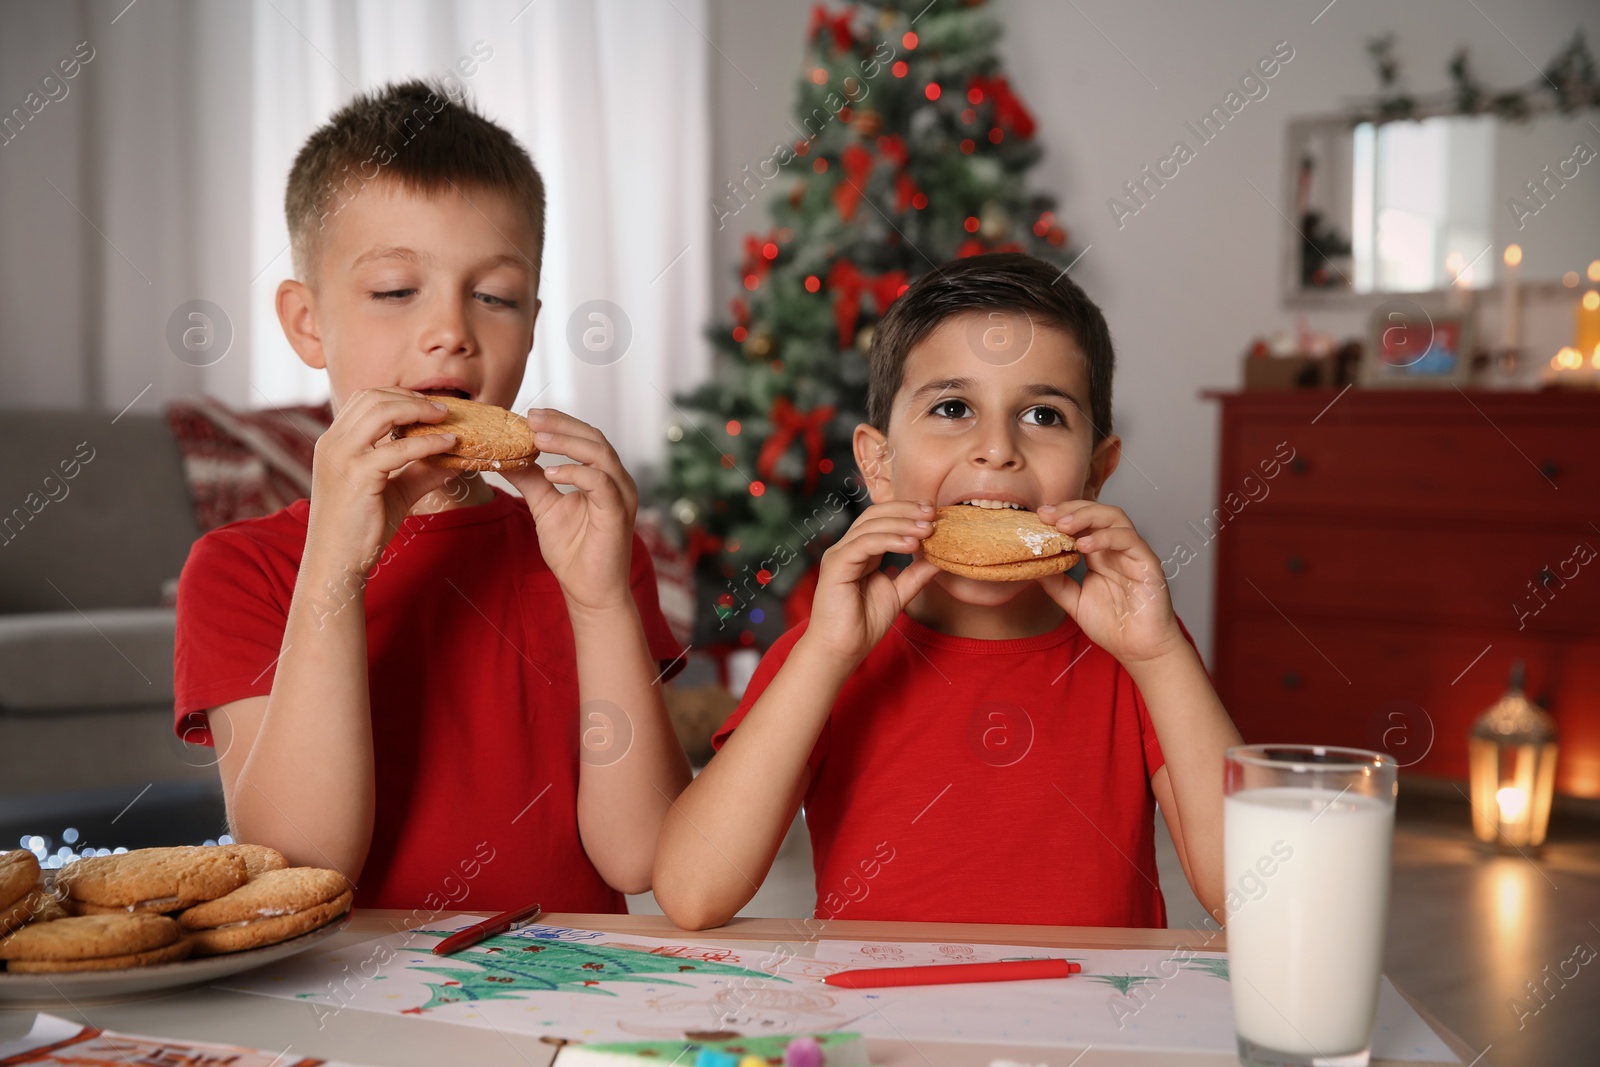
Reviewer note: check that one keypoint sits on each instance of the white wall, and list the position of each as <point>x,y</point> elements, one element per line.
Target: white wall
<point>1193,277</point>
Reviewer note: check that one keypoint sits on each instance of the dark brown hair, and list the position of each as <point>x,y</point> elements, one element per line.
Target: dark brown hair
<point>424,135</point>
<point>998,281</point>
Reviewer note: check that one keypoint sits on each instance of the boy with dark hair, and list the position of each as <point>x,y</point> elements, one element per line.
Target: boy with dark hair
<point>393,672</point>
<point>972,751</point>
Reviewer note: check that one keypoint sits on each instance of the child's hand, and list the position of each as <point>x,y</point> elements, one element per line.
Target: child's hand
<point>1123,605</point>
<point>855,603</point>
<point>586,536</point>
<point>363,484</point>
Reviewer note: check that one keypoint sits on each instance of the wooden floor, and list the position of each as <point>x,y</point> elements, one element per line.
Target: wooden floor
<point>1470,933</point>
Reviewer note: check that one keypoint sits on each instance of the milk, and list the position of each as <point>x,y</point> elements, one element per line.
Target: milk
<point>1308,893</point>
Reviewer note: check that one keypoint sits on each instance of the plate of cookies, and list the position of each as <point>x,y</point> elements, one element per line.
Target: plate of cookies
<point>155,919</point>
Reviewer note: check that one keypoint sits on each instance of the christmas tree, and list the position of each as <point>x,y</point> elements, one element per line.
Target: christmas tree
<point>913,150</point>
<point>506,967</point>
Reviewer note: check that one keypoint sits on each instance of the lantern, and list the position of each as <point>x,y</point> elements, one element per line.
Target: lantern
<point>1513,768</point>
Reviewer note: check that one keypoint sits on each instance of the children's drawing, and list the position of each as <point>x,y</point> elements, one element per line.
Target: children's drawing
<point>1122,982</point>
<point>1215,966</point>
<point>557,933</point>
<point>508,967</point>
<point>1122,999</point>
<point>564,984</point>
<point>883,953</point>
<point>561,984</point>
<point>747,1012</point>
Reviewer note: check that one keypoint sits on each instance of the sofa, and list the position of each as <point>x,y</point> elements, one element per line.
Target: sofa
<point>95,524</point>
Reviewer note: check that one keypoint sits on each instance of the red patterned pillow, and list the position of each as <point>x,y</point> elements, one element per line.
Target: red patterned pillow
<point>244,464</point>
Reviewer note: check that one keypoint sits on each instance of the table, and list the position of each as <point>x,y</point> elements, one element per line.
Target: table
<point>225,1017</point>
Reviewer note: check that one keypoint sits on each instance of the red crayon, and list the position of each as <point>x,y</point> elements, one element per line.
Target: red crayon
<point>950,973</point>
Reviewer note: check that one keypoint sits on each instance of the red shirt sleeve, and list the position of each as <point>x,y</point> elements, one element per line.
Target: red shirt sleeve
<point>766,670</point>
<point>233,605</point>
<point>657,634</point>
<point>1154,758</point>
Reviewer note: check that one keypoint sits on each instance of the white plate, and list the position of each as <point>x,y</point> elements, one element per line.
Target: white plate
<point>132,983</point>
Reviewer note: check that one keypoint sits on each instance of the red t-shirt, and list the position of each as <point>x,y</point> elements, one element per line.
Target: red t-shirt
<point>472,676</point>
<point>962,780</point>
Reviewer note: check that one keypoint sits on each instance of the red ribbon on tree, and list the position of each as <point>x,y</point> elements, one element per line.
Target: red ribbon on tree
<point>788,423</point>
<point>839,25</point>
<point>755,256</point>
<point>893,147</point>
<point>847,194</point>
<point>741,311</point>
<point>905,191</point>
<point>847,284</point>
<point>1009,111</point>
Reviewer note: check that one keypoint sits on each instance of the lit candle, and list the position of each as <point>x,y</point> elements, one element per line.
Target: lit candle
<point>1513,803</point>
<point>1588,322</point>
<point>1511,311</point>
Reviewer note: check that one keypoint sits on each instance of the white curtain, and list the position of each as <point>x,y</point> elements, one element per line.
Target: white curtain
<point>153,177</point>
<point>610,98</point>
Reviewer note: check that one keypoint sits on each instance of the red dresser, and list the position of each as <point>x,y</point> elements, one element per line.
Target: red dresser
<point>1384,557</point>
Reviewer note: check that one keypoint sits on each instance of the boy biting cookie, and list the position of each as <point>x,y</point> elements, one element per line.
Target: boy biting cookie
<point>983,739</point>
<point>396,673</point>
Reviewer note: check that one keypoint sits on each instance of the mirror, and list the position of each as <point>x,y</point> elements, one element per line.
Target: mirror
<point>1421,206</point>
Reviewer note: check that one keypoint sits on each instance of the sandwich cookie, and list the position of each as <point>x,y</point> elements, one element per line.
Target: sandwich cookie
<point>997,544</point>
<point>94,943</point>
<point>258,859</point>
<point>150,880</point>
<point>487,438</point>
<point>20,896</point>
<point>272,907</point>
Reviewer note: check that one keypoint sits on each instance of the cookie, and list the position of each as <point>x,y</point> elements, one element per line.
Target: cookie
<point>273,894</point>
<point>24,911</point>
<point>90,937</point>
<point>487,438</point>
<point>152,879</point>
<point>236,937</point>
<point>19,872</point>
<point>158,906</point>
<point>258,859</point>
<point>49,909</point>
<point>178,950</point>
<point>997,544</point>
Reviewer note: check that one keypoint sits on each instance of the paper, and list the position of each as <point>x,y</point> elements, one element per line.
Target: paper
<point>584,985</point>
<point>561,983</point>
<point>58,1041</point>
<point>1124,998</point>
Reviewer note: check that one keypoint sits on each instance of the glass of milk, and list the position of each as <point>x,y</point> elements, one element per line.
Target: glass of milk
<point>1307,836</point>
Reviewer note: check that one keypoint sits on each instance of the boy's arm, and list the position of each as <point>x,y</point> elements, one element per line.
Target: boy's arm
<point>720,838</point>
<point>1194,731</point>
<point>632,766</point>
<point>297,765</point>
<point>1125,607</point>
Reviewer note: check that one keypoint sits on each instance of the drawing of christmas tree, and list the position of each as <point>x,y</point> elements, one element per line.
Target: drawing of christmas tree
<point>506,967</point>
<point>1216,967</point>
<point>1122,982</point>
